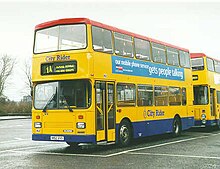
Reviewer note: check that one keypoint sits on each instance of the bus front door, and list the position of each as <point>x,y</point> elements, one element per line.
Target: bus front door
<point>213,107</point>
<point>105,111</point>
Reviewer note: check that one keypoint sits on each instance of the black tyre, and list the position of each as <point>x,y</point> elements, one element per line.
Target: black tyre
<point>177,129</point>
<point>125,134</point>
<point>218,125</point>
<point>73,145</point>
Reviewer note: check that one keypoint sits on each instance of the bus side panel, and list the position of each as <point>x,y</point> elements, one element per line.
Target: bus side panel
<point>187,122</point>
<point>155,127</point>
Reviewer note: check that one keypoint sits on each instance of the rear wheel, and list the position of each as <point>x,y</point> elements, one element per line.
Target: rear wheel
<point>177,129</point>
<point>125,134</point>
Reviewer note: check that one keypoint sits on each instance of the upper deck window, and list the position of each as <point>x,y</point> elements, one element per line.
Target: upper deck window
<point>184,59</point>
<point>217,66</point>
<point>172,57</point>
<point>123,45</point>
<point>63,37</point>
<point>142,49</point>
<point>197,64</point>
<point>210,64</point>
<point>159,54</point>
<point>102,40</point>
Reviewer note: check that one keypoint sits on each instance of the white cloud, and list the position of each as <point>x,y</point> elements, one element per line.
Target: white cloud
<point>190,24</point>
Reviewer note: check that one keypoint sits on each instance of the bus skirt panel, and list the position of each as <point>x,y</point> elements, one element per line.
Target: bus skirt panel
<point>155,127</point>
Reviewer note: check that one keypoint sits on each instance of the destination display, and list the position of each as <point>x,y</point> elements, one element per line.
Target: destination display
<point>58,68</point>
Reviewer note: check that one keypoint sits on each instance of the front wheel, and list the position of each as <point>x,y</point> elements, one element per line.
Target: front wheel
<point>176,127</point>
<point>73,145</point>
<point>125,135</point>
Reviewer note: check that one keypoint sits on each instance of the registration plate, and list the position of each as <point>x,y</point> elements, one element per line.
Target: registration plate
<point>59,138</point>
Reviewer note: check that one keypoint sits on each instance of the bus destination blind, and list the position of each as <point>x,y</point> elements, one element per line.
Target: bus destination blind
<point>58,68</point>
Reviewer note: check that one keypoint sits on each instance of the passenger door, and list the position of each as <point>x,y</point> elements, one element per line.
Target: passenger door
<point>105,111</point>
<point>213,104</point>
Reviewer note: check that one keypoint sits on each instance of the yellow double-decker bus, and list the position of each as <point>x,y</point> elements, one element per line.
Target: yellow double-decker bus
<point>206,86</point>
<point>95,83</point>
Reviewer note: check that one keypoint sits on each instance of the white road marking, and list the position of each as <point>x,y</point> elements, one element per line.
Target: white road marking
<point>176,155</point>
<point>160,145</point>
<point>27,148</point>
<point>14,141</point>
<point>19,138</point>
<point>59,154</point>
<point>19,125</point>
<point>131,151</point>
<point>12,126</point>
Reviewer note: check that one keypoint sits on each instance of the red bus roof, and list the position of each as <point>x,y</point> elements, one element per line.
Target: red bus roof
<point>197,55</point>
<point>91,22</point>
<point>200,55</point>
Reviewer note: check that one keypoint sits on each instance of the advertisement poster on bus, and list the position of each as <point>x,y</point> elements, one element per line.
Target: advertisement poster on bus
<point>133,67</point>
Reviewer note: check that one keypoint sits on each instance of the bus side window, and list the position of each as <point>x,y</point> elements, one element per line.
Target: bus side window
<point>210,64</point>
<point>159,54</point>
<point>145,95</point>
<point>174,96</point>
<point>123,45</point>
<point>172,56</point>
<point>184,59</point>
<point>217,66</point>
<point>142,49</point>
<point>218,97</point>
<point>184,96</point>
<point>102,40</point>
<point>126,94</point>
<point>161,95</point>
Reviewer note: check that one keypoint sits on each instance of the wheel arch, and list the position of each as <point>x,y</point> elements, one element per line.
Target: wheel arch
<point>125,119</point>
<point>177,116</point>
<point>128,120</point>
<point>176,131</point>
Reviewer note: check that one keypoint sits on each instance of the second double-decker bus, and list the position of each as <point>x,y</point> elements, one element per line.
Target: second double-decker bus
<point>95,83</point>
<point>206,86</point>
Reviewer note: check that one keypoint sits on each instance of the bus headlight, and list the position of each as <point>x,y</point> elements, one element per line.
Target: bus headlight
<point>37,124</point>
<point>81,125</point>
<point>203,116</point>
<point>203,121</point>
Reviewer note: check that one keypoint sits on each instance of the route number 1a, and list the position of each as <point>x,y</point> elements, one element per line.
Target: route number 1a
<point>49,69</point>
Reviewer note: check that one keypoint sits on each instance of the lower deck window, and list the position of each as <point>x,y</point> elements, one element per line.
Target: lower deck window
<point>145,95</point>
<point>174,96</point>
<point>161,95</point>
<point>126,94</point>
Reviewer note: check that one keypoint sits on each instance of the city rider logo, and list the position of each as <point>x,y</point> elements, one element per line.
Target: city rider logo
<point>150,113</point>
<point>57,58</point>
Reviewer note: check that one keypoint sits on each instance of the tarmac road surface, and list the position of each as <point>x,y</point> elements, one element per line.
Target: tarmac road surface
<point>197,148</point>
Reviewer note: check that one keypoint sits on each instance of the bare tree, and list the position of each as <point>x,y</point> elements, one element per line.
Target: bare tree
<point>28,77</point>
<point>6,68</point>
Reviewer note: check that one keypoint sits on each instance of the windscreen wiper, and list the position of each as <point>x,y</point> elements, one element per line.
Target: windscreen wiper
<point>49,101</point>
<point>68,106</point>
